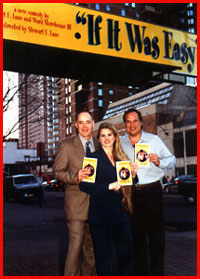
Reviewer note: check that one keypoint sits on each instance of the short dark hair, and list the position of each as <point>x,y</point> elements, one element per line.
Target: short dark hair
<point>133,110</point>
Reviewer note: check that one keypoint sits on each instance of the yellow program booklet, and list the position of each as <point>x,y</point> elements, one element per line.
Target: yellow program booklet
<point>124,176</point>
<point>90,164</point>
<point>141,154</point>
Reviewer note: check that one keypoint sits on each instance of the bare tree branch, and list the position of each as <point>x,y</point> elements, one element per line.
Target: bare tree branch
<point>34,102</point>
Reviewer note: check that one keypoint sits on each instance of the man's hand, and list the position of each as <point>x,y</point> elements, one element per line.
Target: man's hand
<point>114,186</point>
<point>134,169</point>
<point>82,174</point>
<point>154,159</point>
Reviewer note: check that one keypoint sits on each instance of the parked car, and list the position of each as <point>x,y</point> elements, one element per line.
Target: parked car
<point>187,187</point>
<point>170,187</point>
<point>22,187</point>
<point>54,185</point>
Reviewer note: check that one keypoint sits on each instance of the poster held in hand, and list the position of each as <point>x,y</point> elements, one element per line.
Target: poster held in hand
<point>90,164</point>
<point>141,154</point>
<point>124,176</point>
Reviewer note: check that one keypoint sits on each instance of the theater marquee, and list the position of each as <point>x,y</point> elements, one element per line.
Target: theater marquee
<point>75,28</point>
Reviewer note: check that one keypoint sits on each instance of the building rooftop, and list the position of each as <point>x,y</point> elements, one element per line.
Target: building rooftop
<point>175,97</point>
<point>158,94</point>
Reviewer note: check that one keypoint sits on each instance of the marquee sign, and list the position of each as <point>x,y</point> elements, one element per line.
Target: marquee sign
<point>72,27</point>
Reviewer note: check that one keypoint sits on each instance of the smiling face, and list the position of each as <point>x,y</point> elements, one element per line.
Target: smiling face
<point>133,124</point>
<point>106,138</point>
<point>84,125</point>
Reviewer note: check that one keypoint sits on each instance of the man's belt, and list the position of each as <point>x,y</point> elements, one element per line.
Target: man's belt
<point>148,185</point>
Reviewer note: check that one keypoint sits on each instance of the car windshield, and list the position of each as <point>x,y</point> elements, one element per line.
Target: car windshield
<point>25,179</point>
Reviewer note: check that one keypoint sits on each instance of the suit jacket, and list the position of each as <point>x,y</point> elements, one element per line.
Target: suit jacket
<point>68,161</point>
<point>105,204</point>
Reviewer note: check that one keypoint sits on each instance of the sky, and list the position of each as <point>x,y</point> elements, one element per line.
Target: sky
<point>10,117</point>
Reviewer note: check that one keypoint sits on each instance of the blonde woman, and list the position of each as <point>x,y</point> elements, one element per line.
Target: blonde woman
<point>110,207</point>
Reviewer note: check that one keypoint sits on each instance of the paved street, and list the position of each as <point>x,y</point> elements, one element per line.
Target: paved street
<point>35,239</point>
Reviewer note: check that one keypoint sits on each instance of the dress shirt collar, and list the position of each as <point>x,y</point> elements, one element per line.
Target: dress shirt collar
<point>83,140</point>
<point>143,138</point>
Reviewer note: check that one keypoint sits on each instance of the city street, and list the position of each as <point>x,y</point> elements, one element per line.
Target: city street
<point>35,239</point>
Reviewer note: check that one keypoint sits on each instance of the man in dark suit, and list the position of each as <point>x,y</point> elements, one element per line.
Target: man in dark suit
<point>68,169</point>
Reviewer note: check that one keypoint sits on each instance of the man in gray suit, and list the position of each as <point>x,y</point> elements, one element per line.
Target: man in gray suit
<point>68,169</point>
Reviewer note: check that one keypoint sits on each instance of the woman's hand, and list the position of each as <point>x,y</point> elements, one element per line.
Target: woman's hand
<point>82,174</point>
<point>134,169</point>
<point>114,186</point>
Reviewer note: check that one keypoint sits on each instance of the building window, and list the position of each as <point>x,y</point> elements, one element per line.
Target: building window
<point>192,169</point>
<point>191,143</point>
<point>56,145</point>
<point>137,15</point>
<point>178,145</point>
<point>191,21</point>
<point>181,20</point>
<point>100,92</point>
<point>191,81</point>
<point>126,4</point>
<point>100,103</point>
<point>111,92</point>
<point>97,6</point>
<point>108,8</point>
<point>55,97</point>
<point>133,5</point>
<point>190,13</point>
<point>180,171</point>
<point>123,12</point>
<point>191,30</point>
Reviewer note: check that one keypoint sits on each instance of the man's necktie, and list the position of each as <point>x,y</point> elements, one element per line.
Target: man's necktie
<point>88,151</point>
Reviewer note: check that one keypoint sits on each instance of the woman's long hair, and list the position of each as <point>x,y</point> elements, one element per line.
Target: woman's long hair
<point>119,155</point>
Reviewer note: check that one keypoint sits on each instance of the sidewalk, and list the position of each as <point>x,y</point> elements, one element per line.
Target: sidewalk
<point>35,242</point>
<point>181,253</point>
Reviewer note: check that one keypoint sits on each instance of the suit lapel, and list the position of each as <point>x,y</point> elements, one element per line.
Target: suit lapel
<point>79,147</point>
<point>105,157</point>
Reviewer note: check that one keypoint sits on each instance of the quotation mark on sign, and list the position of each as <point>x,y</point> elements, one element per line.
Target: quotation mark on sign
<point>82,20</point>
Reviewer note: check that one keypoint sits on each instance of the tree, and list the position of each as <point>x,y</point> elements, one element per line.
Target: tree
<point>13,88</point>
